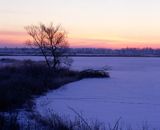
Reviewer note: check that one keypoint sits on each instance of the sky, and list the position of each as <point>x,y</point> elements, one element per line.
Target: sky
<point>89,23</point>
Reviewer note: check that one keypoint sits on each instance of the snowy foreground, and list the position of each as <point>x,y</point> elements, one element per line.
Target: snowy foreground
<point>132,92</point>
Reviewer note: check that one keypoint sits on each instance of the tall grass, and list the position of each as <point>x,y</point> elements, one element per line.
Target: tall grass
<point>9,121</point>
<point>19,83</point>
<point>55,122</point>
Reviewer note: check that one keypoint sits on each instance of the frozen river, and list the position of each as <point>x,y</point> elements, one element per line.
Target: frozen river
<point>132,92</point>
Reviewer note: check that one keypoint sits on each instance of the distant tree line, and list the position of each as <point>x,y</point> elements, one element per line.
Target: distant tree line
<point>86,51</point>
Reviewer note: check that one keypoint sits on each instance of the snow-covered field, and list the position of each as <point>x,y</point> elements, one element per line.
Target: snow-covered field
<point>132,92</point>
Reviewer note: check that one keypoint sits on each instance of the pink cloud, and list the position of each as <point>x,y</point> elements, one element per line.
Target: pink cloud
<point>13,33</point>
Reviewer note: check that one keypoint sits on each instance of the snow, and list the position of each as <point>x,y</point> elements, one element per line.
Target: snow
<point>132,92</point>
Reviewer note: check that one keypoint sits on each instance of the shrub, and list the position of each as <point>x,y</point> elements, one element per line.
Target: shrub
<point>90,73</point>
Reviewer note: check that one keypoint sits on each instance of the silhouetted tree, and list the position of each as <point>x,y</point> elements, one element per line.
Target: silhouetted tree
<point>51,40</point>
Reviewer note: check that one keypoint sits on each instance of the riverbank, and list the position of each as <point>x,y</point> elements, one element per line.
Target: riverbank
<point>21,81</point>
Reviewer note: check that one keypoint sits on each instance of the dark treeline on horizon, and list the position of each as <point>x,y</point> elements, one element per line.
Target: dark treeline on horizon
<point>84,52</point>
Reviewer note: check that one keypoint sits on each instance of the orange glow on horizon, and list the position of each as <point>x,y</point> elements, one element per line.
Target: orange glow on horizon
<point>90,23</point>
<point>13,39</point>
<point>110,44</point>
<point>19,38</point>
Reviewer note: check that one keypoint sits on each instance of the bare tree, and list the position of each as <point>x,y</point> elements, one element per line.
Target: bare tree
<point>51,40</point>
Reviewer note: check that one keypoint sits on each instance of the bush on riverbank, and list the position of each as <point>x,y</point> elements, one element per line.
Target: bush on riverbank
<point>20,82</point>
<point>89,73</point>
